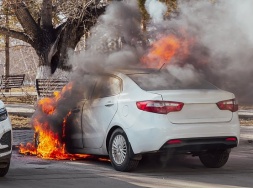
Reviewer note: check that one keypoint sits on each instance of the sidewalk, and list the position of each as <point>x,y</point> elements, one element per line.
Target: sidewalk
<point>25,110</point>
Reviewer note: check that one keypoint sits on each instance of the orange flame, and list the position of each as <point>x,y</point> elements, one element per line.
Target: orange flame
<point>50,146</point>
<point>47,105</point>
<point>165,49</point>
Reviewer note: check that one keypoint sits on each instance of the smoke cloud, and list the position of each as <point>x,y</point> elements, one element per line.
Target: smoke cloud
<point>221,35</point>
<point>156,10</point>
<point>224,33</point>
<point>113,43</point>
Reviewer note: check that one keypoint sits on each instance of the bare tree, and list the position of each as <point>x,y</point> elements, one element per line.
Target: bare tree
<point>52,27</point>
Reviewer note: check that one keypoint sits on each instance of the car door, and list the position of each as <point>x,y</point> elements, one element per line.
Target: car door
<point>99,111</point>
<point>73,129</point>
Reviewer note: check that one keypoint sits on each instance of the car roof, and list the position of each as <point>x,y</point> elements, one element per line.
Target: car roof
<point>128,71</point>
<point>137,71</point>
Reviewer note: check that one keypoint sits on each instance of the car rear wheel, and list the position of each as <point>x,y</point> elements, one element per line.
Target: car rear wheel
<point>4,171</point>
<point>214,159</point>
<point>120,152</point>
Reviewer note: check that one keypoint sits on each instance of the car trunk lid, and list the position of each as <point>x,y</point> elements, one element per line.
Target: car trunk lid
<point>199,106</point>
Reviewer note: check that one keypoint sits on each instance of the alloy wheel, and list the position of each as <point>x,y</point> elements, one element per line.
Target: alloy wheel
<point>119,149</point>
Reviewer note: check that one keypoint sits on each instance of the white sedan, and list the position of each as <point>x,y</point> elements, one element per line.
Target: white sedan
<point>5,140</point>
<point>131,113</point>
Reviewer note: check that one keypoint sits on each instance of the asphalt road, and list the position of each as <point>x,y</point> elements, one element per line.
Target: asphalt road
<point>181,171</point>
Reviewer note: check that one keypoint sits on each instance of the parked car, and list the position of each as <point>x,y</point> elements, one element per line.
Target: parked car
<point>135,112</point>
<point>5,140</point>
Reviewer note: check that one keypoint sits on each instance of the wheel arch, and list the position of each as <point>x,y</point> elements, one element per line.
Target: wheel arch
<point>110,134</point>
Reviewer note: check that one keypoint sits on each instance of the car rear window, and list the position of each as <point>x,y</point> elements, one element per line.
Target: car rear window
<point>163,80</point>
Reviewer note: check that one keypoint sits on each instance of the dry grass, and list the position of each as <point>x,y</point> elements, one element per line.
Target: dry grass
<point>20,122</point>
<point>246,122</point>
<point>25,89</point>
<point>25,98</point>
<point>246,107</point>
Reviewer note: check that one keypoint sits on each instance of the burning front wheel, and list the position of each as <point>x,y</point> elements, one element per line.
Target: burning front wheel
<point>214,159</point>
<point>119,152</point>
<point>36,140</point>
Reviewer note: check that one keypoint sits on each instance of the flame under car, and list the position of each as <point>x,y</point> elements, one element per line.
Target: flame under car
<point>132,113</point>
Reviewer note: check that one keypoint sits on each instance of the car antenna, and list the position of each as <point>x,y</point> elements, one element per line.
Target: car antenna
<point>161,67</point>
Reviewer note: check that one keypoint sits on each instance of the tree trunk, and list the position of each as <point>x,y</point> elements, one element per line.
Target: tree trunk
<point>7,51</point>
<point>7,57</point>
<point>53,50</point>
<point>52,44</point>
<point>52,62</point>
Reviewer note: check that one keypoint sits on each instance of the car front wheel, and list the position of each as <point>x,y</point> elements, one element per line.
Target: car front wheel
<point>120,152</point>
<point>214,159</point>
<point>4,171</point>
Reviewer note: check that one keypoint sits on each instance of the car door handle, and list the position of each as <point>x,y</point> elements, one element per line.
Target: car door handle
<point>109,104</point>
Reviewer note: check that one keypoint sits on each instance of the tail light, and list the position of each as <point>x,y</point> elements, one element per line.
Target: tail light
<point>160,107</point>
<point>174,141</point>
<point>231,139</point>
<point>230,105</point>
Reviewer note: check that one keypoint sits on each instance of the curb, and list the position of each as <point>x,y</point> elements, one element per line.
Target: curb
<point>245,114</point>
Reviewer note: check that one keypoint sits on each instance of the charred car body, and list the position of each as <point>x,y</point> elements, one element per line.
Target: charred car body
<point>5,140</point>
<point>131,113</point>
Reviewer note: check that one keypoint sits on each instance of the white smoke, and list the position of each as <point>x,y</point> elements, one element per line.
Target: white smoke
<point>156,10</point>
<point>186,73</point>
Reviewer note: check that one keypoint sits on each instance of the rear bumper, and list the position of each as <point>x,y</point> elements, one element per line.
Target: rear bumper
<point>196,145</point>
<point>151,135</point>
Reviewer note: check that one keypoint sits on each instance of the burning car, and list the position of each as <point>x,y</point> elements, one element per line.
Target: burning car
<point>135,112</point>
<point>5,140</point>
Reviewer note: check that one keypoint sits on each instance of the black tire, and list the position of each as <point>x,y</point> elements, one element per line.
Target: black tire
<point>36,140</point>
<point>119,142</point>
<point>214,159</point>
<point>4,171</point>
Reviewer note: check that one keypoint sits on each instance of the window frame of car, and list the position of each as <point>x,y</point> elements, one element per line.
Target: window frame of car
<point>99,83</point>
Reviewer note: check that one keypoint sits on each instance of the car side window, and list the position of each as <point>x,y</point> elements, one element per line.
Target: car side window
<point>107,86</point>
<point>89,86</point>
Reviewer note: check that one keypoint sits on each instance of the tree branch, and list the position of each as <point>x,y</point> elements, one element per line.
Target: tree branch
<point>46,14</point>
<point>25,19</point>
<point>15,34</point>
<point>89,19</point>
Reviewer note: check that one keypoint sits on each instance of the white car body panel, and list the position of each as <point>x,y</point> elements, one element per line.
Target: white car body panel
<point>97,120</point>
<point>148,132</point>
<point>5,126</point>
